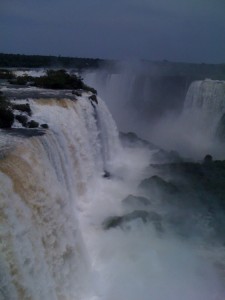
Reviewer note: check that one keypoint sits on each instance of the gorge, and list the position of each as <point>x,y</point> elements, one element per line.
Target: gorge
<point>88,213</point>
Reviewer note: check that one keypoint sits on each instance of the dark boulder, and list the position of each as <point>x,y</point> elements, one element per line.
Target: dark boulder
<point>23,108</point>
<point>45,126</point>
<point>6,117</point>
<point>163,156</point>
<point>93,98</point>
<point>77,93</point>
<point>144,216</point>
<point>22,119</point>
<point>106,174</point>
<point>130,139</point>
<point>32,124</point>
<point>136,201</point>
<point>220,131</point>
<point>208,159</point>
<point>157,184</point>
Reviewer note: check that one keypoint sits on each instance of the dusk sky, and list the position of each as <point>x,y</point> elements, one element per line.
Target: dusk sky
<point>176,30</point>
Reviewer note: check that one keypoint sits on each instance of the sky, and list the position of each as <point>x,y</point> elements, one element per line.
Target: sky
<point>175,30</point>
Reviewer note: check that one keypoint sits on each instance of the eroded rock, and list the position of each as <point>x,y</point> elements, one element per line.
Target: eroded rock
<point>144,216</point>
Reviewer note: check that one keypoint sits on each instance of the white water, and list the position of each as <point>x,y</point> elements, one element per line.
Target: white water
<point>33,73</point>
<point>191,132</point>
<point>53,200</point>
<point>126,91</point>
<point>205,104</point>
<point>203,107</point>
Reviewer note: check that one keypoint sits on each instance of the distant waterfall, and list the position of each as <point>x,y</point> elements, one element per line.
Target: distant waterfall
<point>205,104</point>
<point>42,179</point>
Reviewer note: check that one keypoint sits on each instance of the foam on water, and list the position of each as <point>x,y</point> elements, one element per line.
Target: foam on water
<point>140,263</point>
<point>53,201</point>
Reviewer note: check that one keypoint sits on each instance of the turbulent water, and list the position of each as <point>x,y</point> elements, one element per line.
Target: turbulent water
<point>42,179</point>
<point>54,199</point>
<point>204,105</point>
<point>162,114</point>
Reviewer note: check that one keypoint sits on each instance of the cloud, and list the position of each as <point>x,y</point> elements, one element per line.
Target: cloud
<point>175,29</point>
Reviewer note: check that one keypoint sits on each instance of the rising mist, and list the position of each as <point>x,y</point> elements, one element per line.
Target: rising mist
<point>156,102</point>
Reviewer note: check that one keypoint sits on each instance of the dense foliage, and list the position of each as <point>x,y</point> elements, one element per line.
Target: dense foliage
<point>38,61</point>
<point>6,74</point>
<point>54,79</point>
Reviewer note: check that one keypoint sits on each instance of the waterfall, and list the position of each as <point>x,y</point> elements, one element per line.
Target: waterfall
<point>54,201</point>
<point>43,182</point>
<point>139,94</point>
<point>205,104</point>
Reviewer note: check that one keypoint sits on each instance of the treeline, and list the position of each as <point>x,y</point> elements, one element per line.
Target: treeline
<point>39,61</point>
<point>193,71</point>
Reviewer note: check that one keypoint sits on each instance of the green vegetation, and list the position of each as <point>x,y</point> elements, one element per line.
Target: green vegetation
<point>22,108</point>
<point>54,79</point>
<point>40,61</point>
<point>6,74</point>
<point>6,114</point>
<point>4,103</point>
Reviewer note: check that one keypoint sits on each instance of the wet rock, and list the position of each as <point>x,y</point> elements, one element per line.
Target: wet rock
<point>25,132</point>
<point>220,131</point>
<point>130,139</point>
<point>156,183</point>
<point>93,98</point>
<point>32,124</point>
<point>45,126</point>
<point>163,156</point>
<point>208,159</point>
<point>106,174</point>
<point>77,93</point>
<point>23,108</point>
<point>122,221</point>
<point>6,117</point>
<point>136,201</point>
<point>22,119</point>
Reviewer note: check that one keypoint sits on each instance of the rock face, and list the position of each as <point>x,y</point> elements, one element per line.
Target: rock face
<point>136,202</point>
<point>163,156</point>
<point>22,119</point>
<point>200,197</point>
<point>123,221</point>
<point>106,174</point>
<point>32,124</point>
<point>94,98</point>
<point>6,118</point>
<point>45,126</point>
<point>220,131</point>
<point>157,184</point>
<point>132,140</point>
<point>23,108</point>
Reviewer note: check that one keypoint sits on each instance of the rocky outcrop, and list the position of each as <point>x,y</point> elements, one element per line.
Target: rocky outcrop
<point>141,215</point>
<point>136,202</point>
<point>131,139</point>
<point>22,107</point>
<point>32,124</point>
<point>6,117</point>
<point>22,119</point>
<point>93,98</point>
<point>200,197</point>
<point>220,131</point>
<point>45,126</point>
<point>157,184</point>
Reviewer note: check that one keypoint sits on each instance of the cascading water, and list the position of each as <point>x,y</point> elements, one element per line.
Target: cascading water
<point>205,104</point>
<point>53,204</point>
<point>42,179</point>
<point>156,108</point>
<point>120,92</point>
